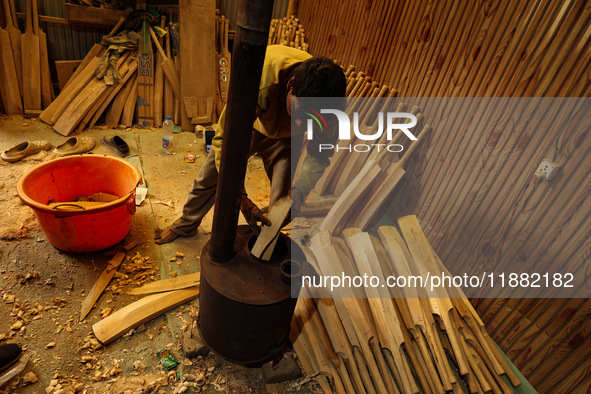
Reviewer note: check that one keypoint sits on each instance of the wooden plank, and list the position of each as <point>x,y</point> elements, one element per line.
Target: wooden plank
<point>420,249</point>
<point>15,41</point>
<point>145,89</point>
<point>176,283</point>
<point>130,106</point>
<point>100,285</point>
<point>140,312</point>
<point>168,92</point>
<point>114,90</point>
<point>167,66</point>
<point>47,95</point>
<point>31,64</point>
<point>8,78</point>
<point>85,100</point>
<point>224,62</point>
<point>81,77</point>
<point>158,87</point>
<point>197,56</point>
<point>347,202</point>
<point>95,16</point>
<point>46,18</point>
<point>265,243</point>
<point>115,110</point>
<point>96,51</point>
<point>387,322</point>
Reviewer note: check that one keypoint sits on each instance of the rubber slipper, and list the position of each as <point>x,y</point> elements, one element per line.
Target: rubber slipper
<point>117,144</point>
<point>75,145</point>
<point>9,355</point>
<point>25,149</point>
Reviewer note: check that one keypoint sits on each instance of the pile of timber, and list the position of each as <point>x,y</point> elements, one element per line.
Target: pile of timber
<point>288,32</point>
<point>391,342</point>
<point>148,82</point>
<point>25,80</point>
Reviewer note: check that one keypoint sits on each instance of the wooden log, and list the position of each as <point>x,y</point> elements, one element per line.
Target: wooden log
<point>140,312</point>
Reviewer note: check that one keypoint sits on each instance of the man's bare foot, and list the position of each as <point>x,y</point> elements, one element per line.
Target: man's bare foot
<point>165,236</point>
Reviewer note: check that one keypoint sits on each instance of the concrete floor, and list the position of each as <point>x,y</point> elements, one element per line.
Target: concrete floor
<point>66,276</point>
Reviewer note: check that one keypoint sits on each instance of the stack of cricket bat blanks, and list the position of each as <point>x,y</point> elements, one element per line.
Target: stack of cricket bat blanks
<point>391,339</point>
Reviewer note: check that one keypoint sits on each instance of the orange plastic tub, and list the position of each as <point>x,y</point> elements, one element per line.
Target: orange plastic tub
<point>82,229</point>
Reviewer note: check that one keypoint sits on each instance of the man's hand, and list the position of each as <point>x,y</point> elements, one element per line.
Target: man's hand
<point>252,214</point>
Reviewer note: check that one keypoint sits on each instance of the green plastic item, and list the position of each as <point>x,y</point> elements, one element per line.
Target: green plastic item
<point>167,359</point>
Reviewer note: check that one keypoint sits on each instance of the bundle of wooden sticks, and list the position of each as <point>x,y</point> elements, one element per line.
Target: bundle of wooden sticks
<point>288,32</point>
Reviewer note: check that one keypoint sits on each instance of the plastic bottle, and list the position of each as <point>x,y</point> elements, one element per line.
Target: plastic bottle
<point>167,135</point>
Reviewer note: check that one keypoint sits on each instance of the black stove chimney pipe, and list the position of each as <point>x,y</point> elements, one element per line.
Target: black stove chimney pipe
<point>248,54</point>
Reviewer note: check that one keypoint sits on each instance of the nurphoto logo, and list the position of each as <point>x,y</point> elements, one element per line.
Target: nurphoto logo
<point>394,121</point>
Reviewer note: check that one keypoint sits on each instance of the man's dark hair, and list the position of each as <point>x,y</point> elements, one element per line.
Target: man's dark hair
<point>319,76</point>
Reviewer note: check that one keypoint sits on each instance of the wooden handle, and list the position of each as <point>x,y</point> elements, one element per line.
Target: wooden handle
<point>7,13</point>
<point>168,51</point>
<point>12,12</point>
<point>117,27</point>
<point>155,39</point>
<point>35,18</point>
<point>29,18</point>
<point>226,30</point>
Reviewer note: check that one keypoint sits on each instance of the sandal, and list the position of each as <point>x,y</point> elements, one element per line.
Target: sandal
<point>25,149</point>
<point>75,145</point>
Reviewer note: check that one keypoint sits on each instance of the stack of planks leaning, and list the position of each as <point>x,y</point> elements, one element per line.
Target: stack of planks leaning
<point>389,341</point>
<point>85,99</point>
<point>25,80</point>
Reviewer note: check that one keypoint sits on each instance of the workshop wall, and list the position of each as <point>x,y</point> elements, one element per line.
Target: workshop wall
<point>65,41</point>
<point>466,186</point>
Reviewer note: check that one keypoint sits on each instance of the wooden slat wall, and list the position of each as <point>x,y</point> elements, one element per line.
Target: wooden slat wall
<point>464,184</point>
